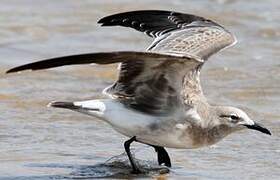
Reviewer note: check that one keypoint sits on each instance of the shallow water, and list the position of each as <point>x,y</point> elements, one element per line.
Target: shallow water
<point>40,142</point>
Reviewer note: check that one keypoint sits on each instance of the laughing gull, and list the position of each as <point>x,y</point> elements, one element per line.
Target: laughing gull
<point>157,99</point>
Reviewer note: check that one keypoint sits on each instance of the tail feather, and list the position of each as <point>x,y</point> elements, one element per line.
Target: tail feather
<point>66,105</point>
<point>94,108</point>
<point>79,106</point>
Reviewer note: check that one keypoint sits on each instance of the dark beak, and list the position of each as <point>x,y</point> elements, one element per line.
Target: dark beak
<point>258,127</point>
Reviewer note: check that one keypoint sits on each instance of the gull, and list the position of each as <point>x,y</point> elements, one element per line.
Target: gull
<point>157,99</point>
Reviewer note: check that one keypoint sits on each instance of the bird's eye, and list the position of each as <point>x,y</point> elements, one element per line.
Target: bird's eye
<point>234,117</point>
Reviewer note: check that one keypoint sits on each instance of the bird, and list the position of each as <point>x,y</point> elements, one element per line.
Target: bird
<point>158,99</point>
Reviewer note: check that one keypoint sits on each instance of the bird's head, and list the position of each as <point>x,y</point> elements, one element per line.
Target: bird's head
<point>236,119</point>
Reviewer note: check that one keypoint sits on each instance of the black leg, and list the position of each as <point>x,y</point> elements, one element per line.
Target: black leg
<point>127,143</point>
<point>163,157</point>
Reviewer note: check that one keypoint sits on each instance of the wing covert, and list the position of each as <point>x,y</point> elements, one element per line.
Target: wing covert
<point>200,42</point>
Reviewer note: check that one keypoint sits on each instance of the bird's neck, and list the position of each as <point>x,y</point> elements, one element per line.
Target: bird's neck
<point>217,133</point>
<point>207,136</point>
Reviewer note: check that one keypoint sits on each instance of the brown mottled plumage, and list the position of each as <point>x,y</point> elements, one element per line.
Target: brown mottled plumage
<point>157,99</point>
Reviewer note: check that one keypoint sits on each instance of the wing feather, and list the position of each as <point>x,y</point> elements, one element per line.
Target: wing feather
<point>175,33</point>
<point>165,77</point>
<point>154,23</point>
<point>200,42</point>
<point>148,82</point>
<point>97,58</point>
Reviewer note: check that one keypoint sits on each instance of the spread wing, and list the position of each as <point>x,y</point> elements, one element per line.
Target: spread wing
<point>200,42</point>
<point>148,82</point>
<point>154,23</point>
<point>175,33</point>
<point>165,77</point>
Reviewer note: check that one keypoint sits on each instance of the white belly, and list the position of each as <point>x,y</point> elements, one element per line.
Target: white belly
<point>161,131</point>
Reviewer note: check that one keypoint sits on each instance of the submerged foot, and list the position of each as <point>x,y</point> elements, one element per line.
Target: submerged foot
<point>136,171</point>
<point>163,157</point>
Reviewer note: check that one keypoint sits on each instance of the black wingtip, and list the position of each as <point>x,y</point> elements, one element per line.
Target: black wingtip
<point>22,68</point>
<point>105,21</point>
<point>13,70</point>
<point>101,21</point>
<point>120,18</point>
<point>108,21</point>
<point>9,71</point>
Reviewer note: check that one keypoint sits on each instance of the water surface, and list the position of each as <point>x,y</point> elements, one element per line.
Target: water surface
<point>40,142</point>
